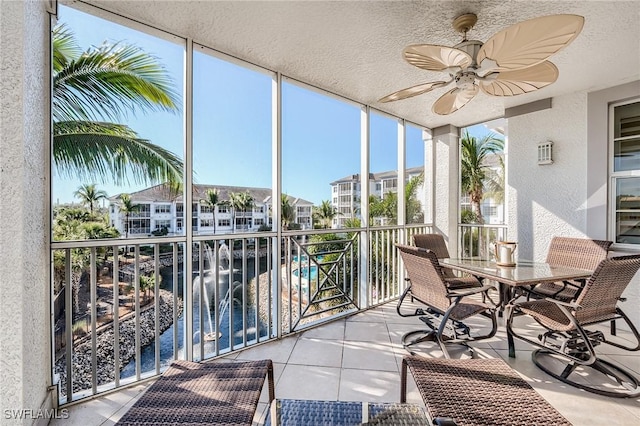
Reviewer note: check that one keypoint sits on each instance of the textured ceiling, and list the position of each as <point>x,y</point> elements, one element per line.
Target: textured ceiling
<point>354,48</point>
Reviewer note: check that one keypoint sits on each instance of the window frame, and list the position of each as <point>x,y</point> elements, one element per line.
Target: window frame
<point>615,176</point>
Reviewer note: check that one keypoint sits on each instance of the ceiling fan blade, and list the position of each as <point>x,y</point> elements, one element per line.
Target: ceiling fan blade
<point>436,58</point>
<point>453,100</point>
<point>529,43</point>
<point>525,80</point>
<point>414,91</point>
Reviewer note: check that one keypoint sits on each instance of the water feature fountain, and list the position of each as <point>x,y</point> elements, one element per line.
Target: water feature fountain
<point>208,283</point>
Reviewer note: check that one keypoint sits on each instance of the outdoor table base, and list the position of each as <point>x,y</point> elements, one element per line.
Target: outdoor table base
<point>295,412</point>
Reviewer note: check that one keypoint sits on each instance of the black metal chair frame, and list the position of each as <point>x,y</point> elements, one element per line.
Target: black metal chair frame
<point>442,327</point>
<point>575,345</point>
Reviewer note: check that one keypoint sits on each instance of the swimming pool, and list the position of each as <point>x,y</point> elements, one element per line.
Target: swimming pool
<point>306,271</point>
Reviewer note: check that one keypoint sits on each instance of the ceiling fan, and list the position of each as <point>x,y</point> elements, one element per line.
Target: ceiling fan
<point>510,63</point>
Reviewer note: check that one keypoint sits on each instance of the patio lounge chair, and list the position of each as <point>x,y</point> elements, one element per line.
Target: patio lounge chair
<point>583,253</point>
<point>191,393</point>
<point>445,309</point>
<point>435,243</point>
<point>476,392</point>
<point>568,346</point>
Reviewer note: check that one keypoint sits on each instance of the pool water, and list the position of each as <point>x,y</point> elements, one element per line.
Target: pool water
<point>306,271</point>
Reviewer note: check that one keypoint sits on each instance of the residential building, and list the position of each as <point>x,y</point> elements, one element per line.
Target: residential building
<point>159,208</point>
<point>346,193</point>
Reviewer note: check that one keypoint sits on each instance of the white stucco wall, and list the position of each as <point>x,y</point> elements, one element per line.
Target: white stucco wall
<point>547,200</point>
<point>24,286</point>
<point>568,197</point>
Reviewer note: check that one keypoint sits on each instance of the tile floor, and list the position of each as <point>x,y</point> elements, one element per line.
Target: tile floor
<point>359,358</point>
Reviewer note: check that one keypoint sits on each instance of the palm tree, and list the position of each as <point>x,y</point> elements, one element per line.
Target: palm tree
<point>127,207</point>
<point>212,200</point>
<point>91,90</point>
<point>287,212</point>
<point>325,213</point>
<point>413,206</point>
<point>240,202</point>
<point>474,168</point>
<point>89,195</point>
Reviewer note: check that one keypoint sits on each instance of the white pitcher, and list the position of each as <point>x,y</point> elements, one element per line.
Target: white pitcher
<point>505,253</point>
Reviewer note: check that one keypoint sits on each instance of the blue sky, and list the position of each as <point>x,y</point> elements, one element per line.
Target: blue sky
<point>232,123</point>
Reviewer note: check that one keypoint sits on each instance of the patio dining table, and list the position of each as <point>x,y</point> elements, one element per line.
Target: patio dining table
<point>509,278</point>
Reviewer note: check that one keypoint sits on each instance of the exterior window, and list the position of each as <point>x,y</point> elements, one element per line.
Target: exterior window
<point>205,209</point>
<point>223,208</point>
<point>258,209</point>
<point>625,173</point>
<point>163,224</point>
<point>179,223</point>
<point>162,208</point>
<point>224,222</point>
<point>258,222</point>
<point>206,223</point>
<point>139,226</point>
<point>143,210</point>
<point>180,210</point>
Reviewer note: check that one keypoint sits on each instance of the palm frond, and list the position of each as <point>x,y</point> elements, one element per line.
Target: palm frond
<point>108,152</point>
<point>109,82</point>
<point>65,47</point>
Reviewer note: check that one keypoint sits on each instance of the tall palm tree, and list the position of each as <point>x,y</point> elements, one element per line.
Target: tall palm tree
<point>212,200</point>
<point>240,202</point>
<point>287,212</point>
<point>127,207</point>
<point>89,195</point>
<point>474,168</point>
<point>325,213</point>
<point>94,89</point>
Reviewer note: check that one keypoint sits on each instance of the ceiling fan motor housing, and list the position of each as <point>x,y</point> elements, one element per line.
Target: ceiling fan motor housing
<point>465,80</point>
<point>471,48</point>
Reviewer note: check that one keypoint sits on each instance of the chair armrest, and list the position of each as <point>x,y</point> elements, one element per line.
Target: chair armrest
<point>571,305</point>
<point>444,421</point>
<point>470,291</point>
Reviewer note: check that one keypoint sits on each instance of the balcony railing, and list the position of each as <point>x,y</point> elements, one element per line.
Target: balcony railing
<point>124,309</point>
<point>477,240</point>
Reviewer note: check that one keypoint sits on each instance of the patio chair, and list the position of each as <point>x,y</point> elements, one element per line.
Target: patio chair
<point>194,393</point>
<point>476,392</point>
<point>583,253</point>
<point>445,308</point>
<point>568,347</point>
<point>436,243</point>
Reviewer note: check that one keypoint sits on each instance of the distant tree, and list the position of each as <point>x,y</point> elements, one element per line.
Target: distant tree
<point>413,206</point>
<point>89,196</point>
<point>127,207</point>
<point>240,202</point>
<point>287,212</point>
<point>211,200</point>
<point>324,213</point>
<point>468,216</point>
<point>352,222</point>
<point>474,168</point>
<point>147,282</point>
